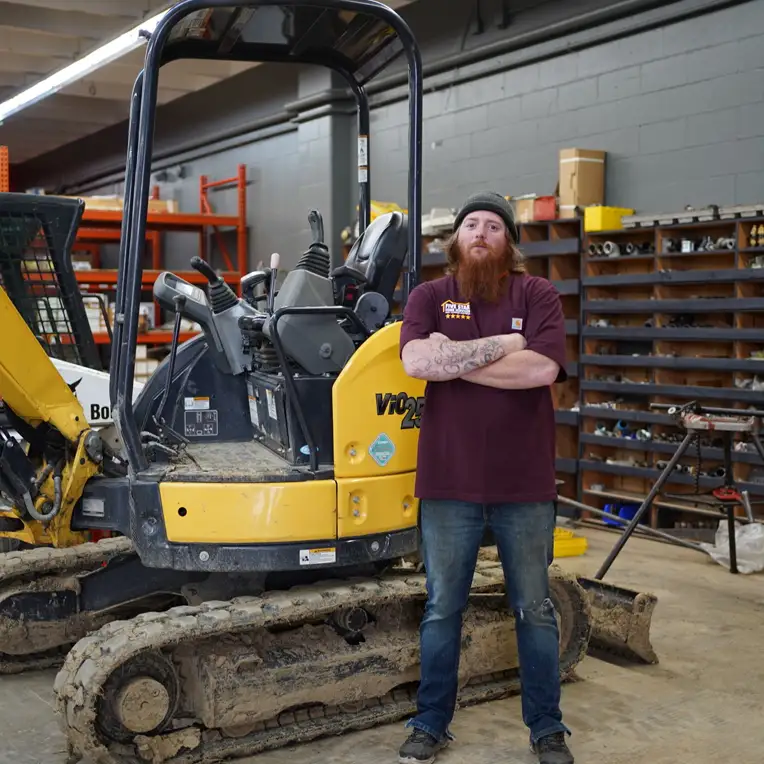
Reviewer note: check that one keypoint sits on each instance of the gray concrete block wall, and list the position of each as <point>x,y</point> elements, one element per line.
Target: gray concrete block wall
<point>680,111</point>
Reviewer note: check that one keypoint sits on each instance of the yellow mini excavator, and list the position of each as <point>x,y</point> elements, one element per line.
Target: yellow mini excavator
<point>260,584</point>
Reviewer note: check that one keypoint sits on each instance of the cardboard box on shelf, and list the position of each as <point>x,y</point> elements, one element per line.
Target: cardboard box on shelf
<point>581,178</point>
<point>144,369</point>
<point>545,208</point>
<point>113,203</point>
<point>52,316</point>
<point>93,311</point>
<point>524,207</point>
<point>530,207</point>
<point>146,317</point>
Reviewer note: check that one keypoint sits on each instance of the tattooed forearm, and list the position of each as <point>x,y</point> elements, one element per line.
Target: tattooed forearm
<point>439,359</point>
<point>457,358</point>
<point>518,371</point>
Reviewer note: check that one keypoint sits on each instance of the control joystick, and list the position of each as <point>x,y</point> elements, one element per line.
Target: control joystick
<point>272,285</point>
<point>222,297</point>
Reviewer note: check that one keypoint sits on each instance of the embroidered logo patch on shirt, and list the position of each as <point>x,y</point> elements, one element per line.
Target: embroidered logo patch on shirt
<point>452,309</point>
<point>517,323</point>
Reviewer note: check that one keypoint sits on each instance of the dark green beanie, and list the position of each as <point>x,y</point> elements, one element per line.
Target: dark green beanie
<point>489,201</point>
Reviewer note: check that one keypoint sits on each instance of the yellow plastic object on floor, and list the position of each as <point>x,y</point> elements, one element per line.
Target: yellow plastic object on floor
<point>600,218</point>
<point>567,544</point>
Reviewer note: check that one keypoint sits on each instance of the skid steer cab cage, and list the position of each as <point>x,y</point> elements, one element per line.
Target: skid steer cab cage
<point>37,234</point>
<point>356,38</point>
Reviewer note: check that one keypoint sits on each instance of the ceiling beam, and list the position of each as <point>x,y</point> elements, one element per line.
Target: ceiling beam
<point>91,26</point>
<point>37,136</point>
<point>24,62</point>
<point>115,91</point>
<point>39,43</point>
<point>12,79</point>
<point>73,108</point>
<point>131,9</point>
<point>213,67</point>
<point>170,76</point>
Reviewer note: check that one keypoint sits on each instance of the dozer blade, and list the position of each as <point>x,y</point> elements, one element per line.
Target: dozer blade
<point>225,679</point>
<point>620,617</point>
<point>621,620</point>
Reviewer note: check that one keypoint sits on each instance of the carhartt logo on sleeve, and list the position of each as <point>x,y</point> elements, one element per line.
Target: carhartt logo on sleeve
<point>517,323</point>
<point>453,309</point>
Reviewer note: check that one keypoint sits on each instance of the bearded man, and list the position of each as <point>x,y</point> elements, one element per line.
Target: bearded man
<point>490,340</point>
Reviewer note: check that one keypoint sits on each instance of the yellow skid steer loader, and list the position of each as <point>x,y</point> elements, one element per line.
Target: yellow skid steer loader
<point>257,589</point>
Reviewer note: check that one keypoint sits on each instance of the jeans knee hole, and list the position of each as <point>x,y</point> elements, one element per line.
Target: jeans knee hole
<point>546,608</point>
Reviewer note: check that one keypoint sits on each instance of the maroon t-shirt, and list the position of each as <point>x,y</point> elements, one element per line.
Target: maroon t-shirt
<point>479,443</point>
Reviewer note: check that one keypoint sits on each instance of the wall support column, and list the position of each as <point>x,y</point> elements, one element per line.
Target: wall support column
<point>327,145</point>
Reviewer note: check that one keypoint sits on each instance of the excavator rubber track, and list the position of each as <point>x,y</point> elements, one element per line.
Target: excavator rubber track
<point>26,645</point>
<point>225,679</point>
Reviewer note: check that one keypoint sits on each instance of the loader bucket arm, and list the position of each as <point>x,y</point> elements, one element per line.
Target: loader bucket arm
<point>41,315</point>
<point>40,484</point>
<point>30,385</point>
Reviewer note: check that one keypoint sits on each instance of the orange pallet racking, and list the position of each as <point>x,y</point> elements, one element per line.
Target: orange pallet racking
<point>104,226</point>
<point>5,177</point>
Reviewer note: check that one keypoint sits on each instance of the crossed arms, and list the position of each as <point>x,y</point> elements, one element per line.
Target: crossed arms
<point>501,361</point>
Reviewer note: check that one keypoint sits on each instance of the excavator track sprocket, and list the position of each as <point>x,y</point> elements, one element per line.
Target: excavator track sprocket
<point>225,679</point>
<point>26,644</point>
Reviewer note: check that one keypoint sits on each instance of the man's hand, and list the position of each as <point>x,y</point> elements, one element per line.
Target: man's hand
<point>513,342</point>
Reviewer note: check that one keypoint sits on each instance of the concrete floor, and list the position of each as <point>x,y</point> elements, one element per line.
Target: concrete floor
<point>703,703</point>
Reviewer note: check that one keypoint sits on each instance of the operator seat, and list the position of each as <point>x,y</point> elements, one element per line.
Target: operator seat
<point>376,258</point>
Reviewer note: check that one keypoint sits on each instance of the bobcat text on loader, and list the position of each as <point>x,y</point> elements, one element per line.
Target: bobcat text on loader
<point>257,589</point>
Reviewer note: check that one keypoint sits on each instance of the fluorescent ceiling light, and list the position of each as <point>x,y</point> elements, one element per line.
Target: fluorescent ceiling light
<point>98,58</point>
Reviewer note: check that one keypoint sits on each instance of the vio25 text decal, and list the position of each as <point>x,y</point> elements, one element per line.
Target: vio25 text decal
<point>403,405</point>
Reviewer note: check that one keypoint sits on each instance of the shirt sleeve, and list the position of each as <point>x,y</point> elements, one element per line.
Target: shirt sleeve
<point>545,332</point>
<point>419,317</point>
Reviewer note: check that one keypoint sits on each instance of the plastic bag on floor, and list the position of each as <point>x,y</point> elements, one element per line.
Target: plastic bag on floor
<point>749,541</point>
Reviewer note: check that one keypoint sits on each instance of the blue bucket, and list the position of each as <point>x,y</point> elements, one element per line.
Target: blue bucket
<point>626,511</point>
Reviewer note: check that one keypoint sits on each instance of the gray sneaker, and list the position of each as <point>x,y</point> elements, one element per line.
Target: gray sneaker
<point>552,749</point>
<point>420,748</point>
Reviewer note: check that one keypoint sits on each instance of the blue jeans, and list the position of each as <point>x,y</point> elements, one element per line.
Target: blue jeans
<point>451,535</point>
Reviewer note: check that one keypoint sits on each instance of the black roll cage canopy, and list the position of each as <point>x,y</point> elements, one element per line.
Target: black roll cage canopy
<point>356,38</point>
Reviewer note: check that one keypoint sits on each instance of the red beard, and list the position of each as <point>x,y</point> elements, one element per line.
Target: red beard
<point>484,277</point>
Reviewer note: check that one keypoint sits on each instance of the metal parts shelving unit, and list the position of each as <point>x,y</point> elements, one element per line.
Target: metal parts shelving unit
<point>553,251</point>
<point>669,314</point>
